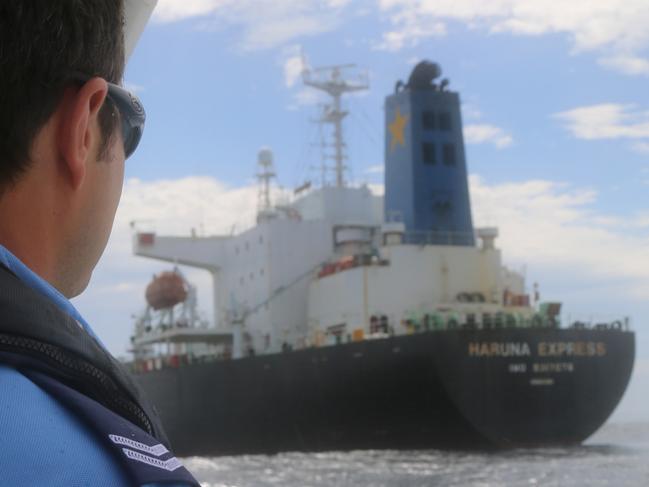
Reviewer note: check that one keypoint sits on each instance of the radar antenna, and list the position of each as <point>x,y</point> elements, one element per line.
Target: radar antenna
<point>330,80</point>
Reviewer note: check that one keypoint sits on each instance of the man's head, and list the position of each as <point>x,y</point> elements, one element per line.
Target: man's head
<point>61,153</point>
<point>41,44</point>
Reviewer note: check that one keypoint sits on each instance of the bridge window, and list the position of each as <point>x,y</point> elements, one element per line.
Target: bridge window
<point>448,152</point>
<point>428,153</point>
<point>428,120</point>
<point>445,121</point>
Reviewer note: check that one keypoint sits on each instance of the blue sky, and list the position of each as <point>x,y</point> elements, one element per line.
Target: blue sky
<point>556,118</point>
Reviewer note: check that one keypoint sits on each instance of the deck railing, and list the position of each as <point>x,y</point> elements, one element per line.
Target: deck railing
<point>439,238</point>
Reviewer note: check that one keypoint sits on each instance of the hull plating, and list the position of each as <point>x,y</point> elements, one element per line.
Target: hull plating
<point>450,389</point>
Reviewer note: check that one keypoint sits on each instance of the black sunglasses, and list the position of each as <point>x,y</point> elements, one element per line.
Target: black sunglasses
<point>131,113</point>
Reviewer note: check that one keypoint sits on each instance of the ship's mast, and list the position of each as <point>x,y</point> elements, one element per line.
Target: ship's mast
<point>330,80</point>
<point>264,176</point>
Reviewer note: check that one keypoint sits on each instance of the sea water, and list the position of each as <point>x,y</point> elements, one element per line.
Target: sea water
<point>618,455</point>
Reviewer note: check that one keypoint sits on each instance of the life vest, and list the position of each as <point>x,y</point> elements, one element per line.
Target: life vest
<point>56,353</point>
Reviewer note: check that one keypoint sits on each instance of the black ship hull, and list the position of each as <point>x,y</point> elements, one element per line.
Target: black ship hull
<point>444,389</point>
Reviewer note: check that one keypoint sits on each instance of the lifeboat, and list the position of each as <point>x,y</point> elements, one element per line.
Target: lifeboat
<point>166,291</point>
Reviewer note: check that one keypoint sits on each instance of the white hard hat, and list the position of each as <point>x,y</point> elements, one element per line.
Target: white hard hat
<point>136,15</point>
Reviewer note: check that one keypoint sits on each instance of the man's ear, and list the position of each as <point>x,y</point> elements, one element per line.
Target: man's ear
<point>81,133</point>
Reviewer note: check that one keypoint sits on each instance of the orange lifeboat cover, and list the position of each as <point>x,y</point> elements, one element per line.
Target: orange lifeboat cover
<point>166,290</point>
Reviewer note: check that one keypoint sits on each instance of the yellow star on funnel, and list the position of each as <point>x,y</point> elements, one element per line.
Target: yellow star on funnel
<point>396,129</point>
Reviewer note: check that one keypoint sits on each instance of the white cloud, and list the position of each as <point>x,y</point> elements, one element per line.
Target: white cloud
<point>410,34</point>
<point>264,23</point>
<point>631,65</point>
<point>338,3</point>
<point>485,133</point>
<point>481,132</point>
<point>617,28</point>
<point>554,226</point>
<point>591,24</point>
<point>377,189</point>
<point>279,30</point>
<point>293,63</point>
<point>175,10</point>
<point>377,169</point>
<point>606,121</point>
<point>176,206</point>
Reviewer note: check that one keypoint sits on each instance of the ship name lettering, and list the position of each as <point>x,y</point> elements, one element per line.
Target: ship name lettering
<point>499,349</point>
<point>517,368</point>
<point>546,367</point>
<point>571,349</point>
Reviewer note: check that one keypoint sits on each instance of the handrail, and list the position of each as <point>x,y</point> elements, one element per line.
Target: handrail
<point>439,238</point>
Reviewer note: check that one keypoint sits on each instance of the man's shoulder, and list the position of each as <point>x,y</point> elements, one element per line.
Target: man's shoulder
<point>42,443</point>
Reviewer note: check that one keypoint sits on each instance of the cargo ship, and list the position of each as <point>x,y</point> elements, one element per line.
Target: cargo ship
<point>347,320</point>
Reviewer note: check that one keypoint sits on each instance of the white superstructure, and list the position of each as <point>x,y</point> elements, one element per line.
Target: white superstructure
<point>322,268</point>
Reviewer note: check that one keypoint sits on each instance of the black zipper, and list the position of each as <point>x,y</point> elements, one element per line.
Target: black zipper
<point>108,393</point>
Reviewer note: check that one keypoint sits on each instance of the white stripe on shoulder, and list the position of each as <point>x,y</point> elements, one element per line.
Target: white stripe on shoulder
<point>156,450</point>
<point>172,464</point>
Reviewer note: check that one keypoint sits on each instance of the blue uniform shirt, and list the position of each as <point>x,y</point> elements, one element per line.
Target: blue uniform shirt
<point>41,442</point>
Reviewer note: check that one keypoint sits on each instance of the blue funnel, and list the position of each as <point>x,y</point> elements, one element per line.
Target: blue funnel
<point>426,183</point>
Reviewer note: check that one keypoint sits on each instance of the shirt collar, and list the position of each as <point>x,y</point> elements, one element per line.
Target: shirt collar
<point>40,285</point>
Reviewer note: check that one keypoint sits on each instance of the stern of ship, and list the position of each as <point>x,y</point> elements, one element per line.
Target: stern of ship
<point>534,387</point>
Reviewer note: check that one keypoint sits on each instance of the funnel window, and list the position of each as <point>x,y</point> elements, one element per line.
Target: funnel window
<point>445,121</point>
<point>428,153</point>
<point>428,120</point>
<point>448,154</point>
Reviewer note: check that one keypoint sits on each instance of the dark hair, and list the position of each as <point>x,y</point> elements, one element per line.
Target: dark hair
<point>41,42</point>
